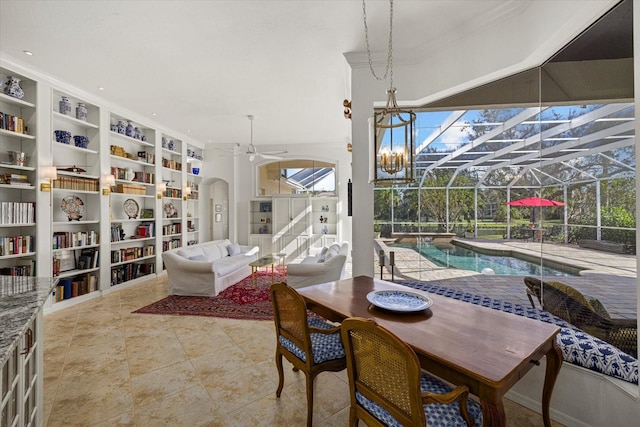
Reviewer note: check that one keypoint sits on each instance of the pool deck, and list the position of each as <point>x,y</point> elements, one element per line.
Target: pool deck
<point>607,276</point>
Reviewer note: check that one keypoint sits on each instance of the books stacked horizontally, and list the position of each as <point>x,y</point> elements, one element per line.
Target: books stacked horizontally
<point>16,179</point>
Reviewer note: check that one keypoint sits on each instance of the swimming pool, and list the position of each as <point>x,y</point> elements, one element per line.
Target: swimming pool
<point>453,256</point>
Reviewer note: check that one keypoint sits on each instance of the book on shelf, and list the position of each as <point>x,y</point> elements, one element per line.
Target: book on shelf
<point>88,258</point>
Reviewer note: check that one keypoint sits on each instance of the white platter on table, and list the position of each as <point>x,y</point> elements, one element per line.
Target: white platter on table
<point>402,301</point>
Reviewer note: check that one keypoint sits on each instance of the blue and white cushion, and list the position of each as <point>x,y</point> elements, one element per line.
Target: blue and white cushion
<point>577,346</point>
<point>437,414</point>
<point>325,347</point>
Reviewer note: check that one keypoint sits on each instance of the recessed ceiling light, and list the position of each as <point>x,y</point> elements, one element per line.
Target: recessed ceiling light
<point>153,114</point>
<point>28,52</point>
<point>188,130</point>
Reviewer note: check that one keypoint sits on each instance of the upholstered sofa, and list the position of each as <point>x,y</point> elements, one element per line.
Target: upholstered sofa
<point>326,266</point>
<point>208,268</point>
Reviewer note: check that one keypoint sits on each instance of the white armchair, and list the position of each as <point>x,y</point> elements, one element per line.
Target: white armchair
<point>328,266</point>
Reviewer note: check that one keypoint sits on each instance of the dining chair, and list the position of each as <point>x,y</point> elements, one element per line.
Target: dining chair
<point>388,387</point>
<point>310,344</point>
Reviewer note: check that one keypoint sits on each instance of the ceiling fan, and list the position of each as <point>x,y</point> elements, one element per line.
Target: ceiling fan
<point>253,152</point>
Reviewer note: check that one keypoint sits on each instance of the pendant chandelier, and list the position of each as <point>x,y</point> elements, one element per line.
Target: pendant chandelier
<point>393,128</point>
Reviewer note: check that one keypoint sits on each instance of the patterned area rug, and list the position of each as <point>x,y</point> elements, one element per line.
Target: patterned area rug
<point>240,301</point>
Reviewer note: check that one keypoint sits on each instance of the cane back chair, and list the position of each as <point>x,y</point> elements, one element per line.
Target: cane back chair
<point>308,343</point>
<point>388,388</point>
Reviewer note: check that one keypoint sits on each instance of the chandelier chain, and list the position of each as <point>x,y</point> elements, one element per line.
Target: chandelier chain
<point>388,71</point>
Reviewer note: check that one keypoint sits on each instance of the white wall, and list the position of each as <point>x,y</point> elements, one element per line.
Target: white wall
<point>242,174</point>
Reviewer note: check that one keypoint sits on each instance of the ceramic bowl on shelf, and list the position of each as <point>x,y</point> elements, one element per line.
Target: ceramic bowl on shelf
<point>195,171</point>
<point>81,141</point>
<point>63,136</point>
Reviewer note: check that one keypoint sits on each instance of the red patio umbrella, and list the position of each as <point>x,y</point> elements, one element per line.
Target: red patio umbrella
<point>534,202</point>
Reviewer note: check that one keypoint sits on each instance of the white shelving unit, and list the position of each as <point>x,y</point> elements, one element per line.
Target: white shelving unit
<point>75,198</point>
<point>172,207</point>
<point>18,180</point>
<point>194,163</point>
<point>132,204</point>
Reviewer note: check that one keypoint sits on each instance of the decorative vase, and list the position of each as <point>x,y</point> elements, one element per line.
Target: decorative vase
<point>65,106</point>
<point>122,128</point>
<point>81,112</point>
<point>137,134</point>
<point>129,131</point>
<point>12,87</point>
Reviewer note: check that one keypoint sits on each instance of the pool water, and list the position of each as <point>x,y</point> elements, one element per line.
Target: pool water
<point>465,259</point>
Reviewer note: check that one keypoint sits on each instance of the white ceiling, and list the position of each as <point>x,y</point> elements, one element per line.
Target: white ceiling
<point>203,66</point>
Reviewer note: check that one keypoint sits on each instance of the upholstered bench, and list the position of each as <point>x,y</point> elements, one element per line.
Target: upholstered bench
<point>578,347</point>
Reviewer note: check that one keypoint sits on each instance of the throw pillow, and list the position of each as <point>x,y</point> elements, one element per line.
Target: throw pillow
<point>198,258</point>
<point>323,252</point>
<point>234,249</point>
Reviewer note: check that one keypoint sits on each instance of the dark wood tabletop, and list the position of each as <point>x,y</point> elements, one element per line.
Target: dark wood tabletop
<point>486,349</point>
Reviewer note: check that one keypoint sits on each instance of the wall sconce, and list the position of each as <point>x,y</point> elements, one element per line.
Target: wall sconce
<point>186,192</point>
<point>50,173</point>
<point>161,187</point>
<point>108,181</point>
<point>347,109</point>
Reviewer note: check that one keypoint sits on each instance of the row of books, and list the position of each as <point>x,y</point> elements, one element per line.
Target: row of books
<point>12,123</point>
<point>72,287</point>
<point>117,233</point>
<point>16,245</point>
<point>86,259</point>
<point>16,179</point>
<point>170,229</point>
<point>75,183</point>
<point>172,164</point>
<point>17,270</point>
<point>146,230</point>
<point>173,192</point>
<point>131,271</point>
<point>139,176</point>
<point>146,157</point>
<point>68,239</point>
<point>17,212</point>
<point>130,254</point>
<point>171,244</point>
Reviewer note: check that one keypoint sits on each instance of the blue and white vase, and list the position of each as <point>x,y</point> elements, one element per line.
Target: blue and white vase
<point>65,106</point>
<point>12,87</point>
<point>122,127</point>
<point>130,130</point>
<point>81,112</point>
<point>137,134</point>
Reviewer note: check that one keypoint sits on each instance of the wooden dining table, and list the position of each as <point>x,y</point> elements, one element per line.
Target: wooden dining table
<point>487,350</point>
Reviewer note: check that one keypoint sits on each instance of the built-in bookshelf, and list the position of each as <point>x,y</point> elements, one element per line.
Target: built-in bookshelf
<point>172,201</point>
<point>58,148</point>
<point>18,178</point>
<point>132,204</point>
<point>194,162</point>
<point>75,195</point>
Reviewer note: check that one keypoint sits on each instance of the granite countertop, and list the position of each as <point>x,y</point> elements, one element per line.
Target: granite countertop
<point>20,299</point>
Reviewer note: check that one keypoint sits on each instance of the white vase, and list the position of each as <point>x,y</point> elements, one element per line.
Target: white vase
<point>65,106</point>
<point>12,87</point>
<point>81,112</point>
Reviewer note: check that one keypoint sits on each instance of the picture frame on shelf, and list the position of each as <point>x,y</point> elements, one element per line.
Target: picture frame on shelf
<point>67,260</point>
<point>146,214</point>
<point>265,207</point>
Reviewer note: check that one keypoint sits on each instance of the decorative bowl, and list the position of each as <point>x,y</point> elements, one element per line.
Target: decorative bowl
<point>81,141</point>
<point>195,171</point>
<point>63,136</point>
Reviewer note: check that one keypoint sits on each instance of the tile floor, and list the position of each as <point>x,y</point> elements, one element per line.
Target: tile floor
<point>104,366</point>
